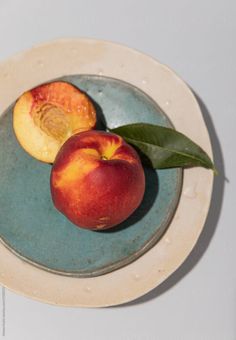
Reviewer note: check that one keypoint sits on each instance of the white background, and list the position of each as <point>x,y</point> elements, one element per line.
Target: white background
<point>197,39</point>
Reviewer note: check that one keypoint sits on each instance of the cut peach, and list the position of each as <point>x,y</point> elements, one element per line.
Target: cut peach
<point>46,116</point>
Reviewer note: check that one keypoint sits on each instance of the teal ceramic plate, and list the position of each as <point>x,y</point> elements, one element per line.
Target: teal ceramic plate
<point>34,230</point>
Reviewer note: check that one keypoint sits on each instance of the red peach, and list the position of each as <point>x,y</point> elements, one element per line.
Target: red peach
<point>97,180</point>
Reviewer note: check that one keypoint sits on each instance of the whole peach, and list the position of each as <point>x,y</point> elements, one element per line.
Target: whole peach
<point>97,180</point>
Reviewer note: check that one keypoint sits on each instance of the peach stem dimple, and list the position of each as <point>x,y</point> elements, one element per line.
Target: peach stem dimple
<point>104,158</point>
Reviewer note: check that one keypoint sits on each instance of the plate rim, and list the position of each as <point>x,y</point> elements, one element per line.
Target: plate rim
<point>84,298</point>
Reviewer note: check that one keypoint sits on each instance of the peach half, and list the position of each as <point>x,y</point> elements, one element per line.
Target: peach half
<point>97,180</point>
<point>46,116</point>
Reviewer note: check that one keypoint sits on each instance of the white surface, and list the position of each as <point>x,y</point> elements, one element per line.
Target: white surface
<point>196,39</point>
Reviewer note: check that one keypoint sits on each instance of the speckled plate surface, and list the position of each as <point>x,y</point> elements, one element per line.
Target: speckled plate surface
<point>73,57</point>
<point>32,228</point>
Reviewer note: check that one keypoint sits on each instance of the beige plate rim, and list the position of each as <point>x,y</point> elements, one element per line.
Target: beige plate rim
<point>82,56</point>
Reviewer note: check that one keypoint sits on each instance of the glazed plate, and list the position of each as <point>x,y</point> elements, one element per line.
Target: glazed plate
<point>33,229</point>
<point>42,254</point>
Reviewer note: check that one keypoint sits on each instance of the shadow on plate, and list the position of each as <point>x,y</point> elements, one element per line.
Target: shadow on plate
<point>101,120</point>
<point>211,222</point>
<point>150,195</point>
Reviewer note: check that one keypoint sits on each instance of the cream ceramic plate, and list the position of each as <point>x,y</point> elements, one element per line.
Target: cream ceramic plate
<point>83,56</point>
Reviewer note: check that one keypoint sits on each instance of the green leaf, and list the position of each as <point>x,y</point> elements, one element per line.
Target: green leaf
<point>164,147</point>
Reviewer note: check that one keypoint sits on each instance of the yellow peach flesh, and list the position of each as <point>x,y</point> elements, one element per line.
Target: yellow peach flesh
<point>45,117</point>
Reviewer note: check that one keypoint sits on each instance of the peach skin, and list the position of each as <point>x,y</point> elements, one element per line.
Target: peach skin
<point>46,116</point>
<point>97,180</point>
